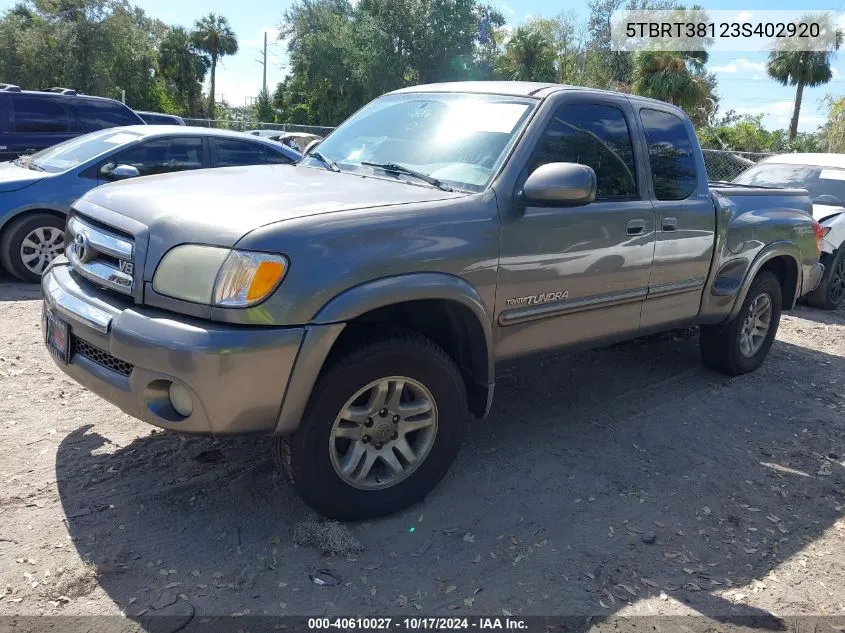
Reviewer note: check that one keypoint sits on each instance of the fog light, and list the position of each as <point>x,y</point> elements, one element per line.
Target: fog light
<point>180,399</point>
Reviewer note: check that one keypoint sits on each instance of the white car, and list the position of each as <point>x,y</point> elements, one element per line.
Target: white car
<point>823,175</point>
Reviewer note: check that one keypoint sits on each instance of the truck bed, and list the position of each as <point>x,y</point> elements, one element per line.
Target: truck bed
<point>746,197</point>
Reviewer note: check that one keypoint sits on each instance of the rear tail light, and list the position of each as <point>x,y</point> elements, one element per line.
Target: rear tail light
<point>819,232</point>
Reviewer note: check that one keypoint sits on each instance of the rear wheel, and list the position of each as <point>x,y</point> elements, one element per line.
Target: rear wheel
<point>831,290</point>
<point>30,243</point>
<point>742,344</point>
<point>383,425</point>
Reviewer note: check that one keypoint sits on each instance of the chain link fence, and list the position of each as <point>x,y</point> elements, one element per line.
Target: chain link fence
<point>243,126</point>
<point>725,165</point>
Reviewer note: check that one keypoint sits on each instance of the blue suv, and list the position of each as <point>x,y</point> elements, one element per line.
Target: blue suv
<point>32,120</point>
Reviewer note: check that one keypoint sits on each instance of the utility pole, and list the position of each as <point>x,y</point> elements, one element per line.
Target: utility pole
<point>264,63</point>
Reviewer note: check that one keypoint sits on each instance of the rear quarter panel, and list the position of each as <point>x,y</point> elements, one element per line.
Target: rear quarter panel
<point>752,227</point>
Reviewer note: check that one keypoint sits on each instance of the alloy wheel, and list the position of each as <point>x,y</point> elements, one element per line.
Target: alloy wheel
<point>836,291</point>
<point>758,320</point>
<point>383,433</point>
<point>41,246</point>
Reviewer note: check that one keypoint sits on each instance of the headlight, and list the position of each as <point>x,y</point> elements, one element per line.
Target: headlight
<point>218,276</point>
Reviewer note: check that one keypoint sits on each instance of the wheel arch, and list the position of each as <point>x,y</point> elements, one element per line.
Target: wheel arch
<point>442,307</point>
<point>781,258</point>
<point>16,215</point>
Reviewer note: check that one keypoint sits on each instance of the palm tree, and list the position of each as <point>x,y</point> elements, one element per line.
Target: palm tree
<point>213,35</point>
<point>798,68</point>
<point>184,67</point>
<point>529,56</point>
<point>675,77</point>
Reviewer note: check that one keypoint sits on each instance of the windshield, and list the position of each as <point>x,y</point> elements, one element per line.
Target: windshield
<point>81,149</point>
<point>459,139</point>
<point>825,184</point>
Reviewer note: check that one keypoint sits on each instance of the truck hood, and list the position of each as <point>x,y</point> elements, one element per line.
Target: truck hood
<point>13,177</point>
<point>821,211</point>
<point>220,206</point>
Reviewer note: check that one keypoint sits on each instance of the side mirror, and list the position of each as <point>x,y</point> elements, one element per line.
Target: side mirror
<point>310,146</point>
<point>121,172</point>
<point>566,184</point>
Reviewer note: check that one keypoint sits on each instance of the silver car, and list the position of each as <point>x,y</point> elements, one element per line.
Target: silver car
<point>36,191</point>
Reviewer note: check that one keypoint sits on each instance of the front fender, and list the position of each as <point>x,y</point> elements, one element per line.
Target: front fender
<point>325,327</point>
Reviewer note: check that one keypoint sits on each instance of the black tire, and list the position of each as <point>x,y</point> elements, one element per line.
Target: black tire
<point>305,456</point>
<point>720,344</point>
<point>13,237</point>
<point>830,292</point>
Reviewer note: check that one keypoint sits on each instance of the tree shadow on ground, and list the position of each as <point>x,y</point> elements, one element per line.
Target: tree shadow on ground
<point>600,479</point>
<point>18,291</point>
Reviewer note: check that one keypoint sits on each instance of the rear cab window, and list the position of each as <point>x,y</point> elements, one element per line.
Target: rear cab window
<point>671,154</point>
<point>596,135</point>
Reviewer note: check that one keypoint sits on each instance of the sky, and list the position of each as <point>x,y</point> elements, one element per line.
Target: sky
<point>743,83</point>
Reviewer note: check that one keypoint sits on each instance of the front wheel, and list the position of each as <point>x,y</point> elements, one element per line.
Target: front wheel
<point>831,290</point>
<point>742,344</point>
<point>382,427</point>
<point>30,243</point>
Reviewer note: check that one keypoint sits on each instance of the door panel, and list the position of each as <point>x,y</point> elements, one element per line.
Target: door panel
<point>686,221</point>
<point>569,274</point>
<point>583,251</point>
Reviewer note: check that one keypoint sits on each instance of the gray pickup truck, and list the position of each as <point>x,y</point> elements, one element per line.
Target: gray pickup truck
<point>354,306</point>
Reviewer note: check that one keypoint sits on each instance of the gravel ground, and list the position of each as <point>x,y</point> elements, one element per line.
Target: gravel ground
<point>628,480</point>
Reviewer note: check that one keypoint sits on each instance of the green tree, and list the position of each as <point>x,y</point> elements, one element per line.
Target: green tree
<point>183,67</point>
<point>100,47</point>
<point>529,56</point>
<point>832,133</point>
<point>342,56</point>
<point>800,68</point>
<point>747,134</point>
<point>673,77</point>
<point>263,107</point>
<point>213,35</point>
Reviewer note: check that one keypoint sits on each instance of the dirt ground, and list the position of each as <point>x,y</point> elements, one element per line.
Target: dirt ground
<point>628,480</point>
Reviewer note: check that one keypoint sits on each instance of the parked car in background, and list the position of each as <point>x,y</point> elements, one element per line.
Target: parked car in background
<point>32,120</point>
<point>158,118</point>
<point>355,306</point>
<point>823,175</point>
<point>263,133</point>
<point>296,140</point>
<point>36,191</point>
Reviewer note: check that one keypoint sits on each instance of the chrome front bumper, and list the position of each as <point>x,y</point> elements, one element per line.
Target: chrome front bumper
<point>129,355</point>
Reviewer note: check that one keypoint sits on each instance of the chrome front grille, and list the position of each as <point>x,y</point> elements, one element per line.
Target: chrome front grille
<point>101,256</point>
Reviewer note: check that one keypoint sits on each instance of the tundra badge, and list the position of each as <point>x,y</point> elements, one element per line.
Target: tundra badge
<point>544,297</point>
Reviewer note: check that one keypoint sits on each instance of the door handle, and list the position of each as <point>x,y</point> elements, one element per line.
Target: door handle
<point>636,227</point>
<point>670,224</point>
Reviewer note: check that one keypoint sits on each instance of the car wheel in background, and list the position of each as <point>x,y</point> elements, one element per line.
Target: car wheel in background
<point>742,344</point>
<point>382,427</point>
<point>30,243</point>
<point>831,289</point>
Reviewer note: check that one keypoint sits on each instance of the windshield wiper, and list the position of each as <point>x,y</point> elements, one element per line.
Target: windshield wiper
<point>401,169</point>
<point>26,163</point>
<point>328,162</point>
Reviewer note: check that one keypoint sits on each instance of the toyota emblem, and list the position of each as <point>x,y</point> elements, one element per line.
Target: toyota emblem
<point>81,247</point>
